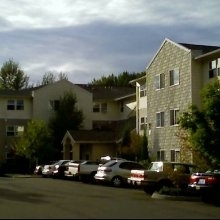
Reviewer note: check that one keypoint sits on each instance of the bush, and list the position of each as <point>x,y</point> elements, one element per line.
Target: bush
<point>172,191</point>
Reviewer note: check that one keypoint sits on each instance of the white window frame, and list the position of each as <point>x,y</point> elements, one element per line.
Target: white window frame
<point>214,68</point>
<point>14,130</point>
<point>174,114</point>
<point>143,123</point>
<point>143,90</point>
<point>174,77</point>
<point>175,155</point>
<point>160,119</point>
<point>161,155</point>
<point>54,105</point>
<point>100,107</point>
<point>159,81</point>
<point>14,104</point>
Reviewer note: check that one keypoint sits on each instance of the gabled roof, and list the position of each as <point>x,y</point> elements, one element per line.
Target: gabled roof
<point>204,49</point>
<point>23,92</point>
<point>109,92</point>
<point>93,136</point>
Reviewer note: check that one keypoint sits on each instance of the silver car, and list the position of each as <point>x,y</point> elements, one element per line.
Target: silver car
<point>116,172</point>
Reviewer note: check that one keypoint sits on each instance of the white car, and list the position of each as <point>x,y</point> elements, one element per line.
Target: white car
<point>116,172</point>
<point>49,168</point>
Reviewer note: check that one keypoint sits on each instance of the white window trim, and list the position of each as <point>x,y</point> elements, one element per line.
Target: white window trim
<point>174,116</point>
<point>174,72</point>
<point>162,123</point>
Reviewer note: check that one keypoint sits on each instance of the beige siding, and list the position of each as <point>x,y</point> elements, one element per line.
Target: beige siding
<point>179,96</point>
<point>54,91</point>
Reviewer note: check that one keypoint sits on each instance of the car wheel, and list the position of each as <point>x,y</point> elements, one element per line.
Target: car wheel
<point>117,181</point>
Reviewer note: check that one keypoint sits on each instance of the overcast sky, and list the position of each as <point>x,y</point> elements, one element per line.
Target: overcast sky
<point>88,39</point>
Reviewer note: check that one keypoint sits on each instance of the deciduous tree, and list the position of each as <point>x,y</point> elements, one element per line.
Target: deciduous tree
<point>203,124</point>
<point>12,77</point>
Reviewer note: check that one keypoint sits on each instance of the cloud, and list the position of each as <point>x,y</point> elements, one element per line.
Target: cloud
<point>89,39</point>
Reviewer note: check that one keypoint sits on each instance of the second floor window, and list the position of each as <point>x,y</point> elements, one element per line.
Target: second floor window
<point>160,81</point>
<point>54,104</point>
<point>14,104</point>
<point>14,130</point>
<point>160,119</point>
<point>174,77</point>
<point>100,107</point>
<point>214,68</point>
<point>174,114</point>
<point>143,90</point>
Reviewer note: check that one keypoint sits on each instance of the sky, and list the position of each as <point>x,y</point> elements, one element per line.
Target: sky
<point>88,39</point>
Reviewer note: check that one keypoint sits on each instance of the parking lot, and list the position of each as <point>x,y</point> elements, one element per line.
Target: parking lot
<point>67,199</point>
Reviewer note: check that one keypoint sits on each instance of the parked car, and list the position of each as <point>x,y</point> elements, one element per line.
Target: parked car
<point>87,170</point>
<point>71,170</point>
<point>49,168</point>
<point>59,170</point>
<point>38,169</point>
<point>206,185</point>
<point>116,172</point>
<point>45,168</point>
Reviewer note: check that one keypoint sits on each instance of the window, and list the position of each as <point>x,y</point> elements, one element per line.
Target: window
<point>214,68</point>
<point>161,155</point>
<point>174,114</point>
<point>14,130</point>
<point>104,107</point>
<point>54,104</point>
<point>100,107</point>
<point>143,124</point>
<point>160,119</point>
<point>174,155</point>
<point>96,107</point>
<point>143,90</point>
<point>15,104</point>
<point>174,77</point>
<point>160,81</point>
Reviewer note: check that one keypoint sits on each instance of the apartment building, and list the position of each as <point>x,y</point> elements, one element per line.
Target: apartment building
<point>113,109</point>
<point>101,108</point>
<point>174,78</point>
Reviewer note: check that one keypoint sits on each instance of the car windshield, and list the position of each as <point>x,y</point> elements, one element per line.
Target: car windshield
<point>157,166</point>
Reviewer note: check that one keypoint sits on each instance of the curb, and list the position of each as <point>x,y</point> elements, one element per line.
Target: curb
<point>156,195</point>
<point>21,176</point>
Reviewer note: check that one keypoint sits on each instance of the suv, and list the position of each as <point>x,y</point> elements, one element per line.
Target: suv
<point>159,174</point>
<point>116,172</point>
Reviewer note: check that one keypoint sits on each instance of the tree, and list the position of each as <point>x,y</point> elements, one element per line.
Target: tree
<point>12,77</point>
<point>67,117</point>
<point>122,79</point>
<point>50,77</point>
<point>204,125</point>
<point>144,154</point>
<point>34,144</point>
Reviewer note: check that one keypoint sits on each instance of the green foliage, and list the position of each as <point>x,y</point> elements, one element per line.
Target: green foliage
<point>34,143</point>
<point>12,77</point>
<point>126,136</point>
<point>204,125</point>
<point>122,79</point>
<point>67,117</point>
<point>144,154</point>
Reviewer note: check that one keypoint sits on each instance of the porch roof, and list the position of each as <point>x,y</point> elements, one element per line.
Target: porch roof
<point>93,136</point>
